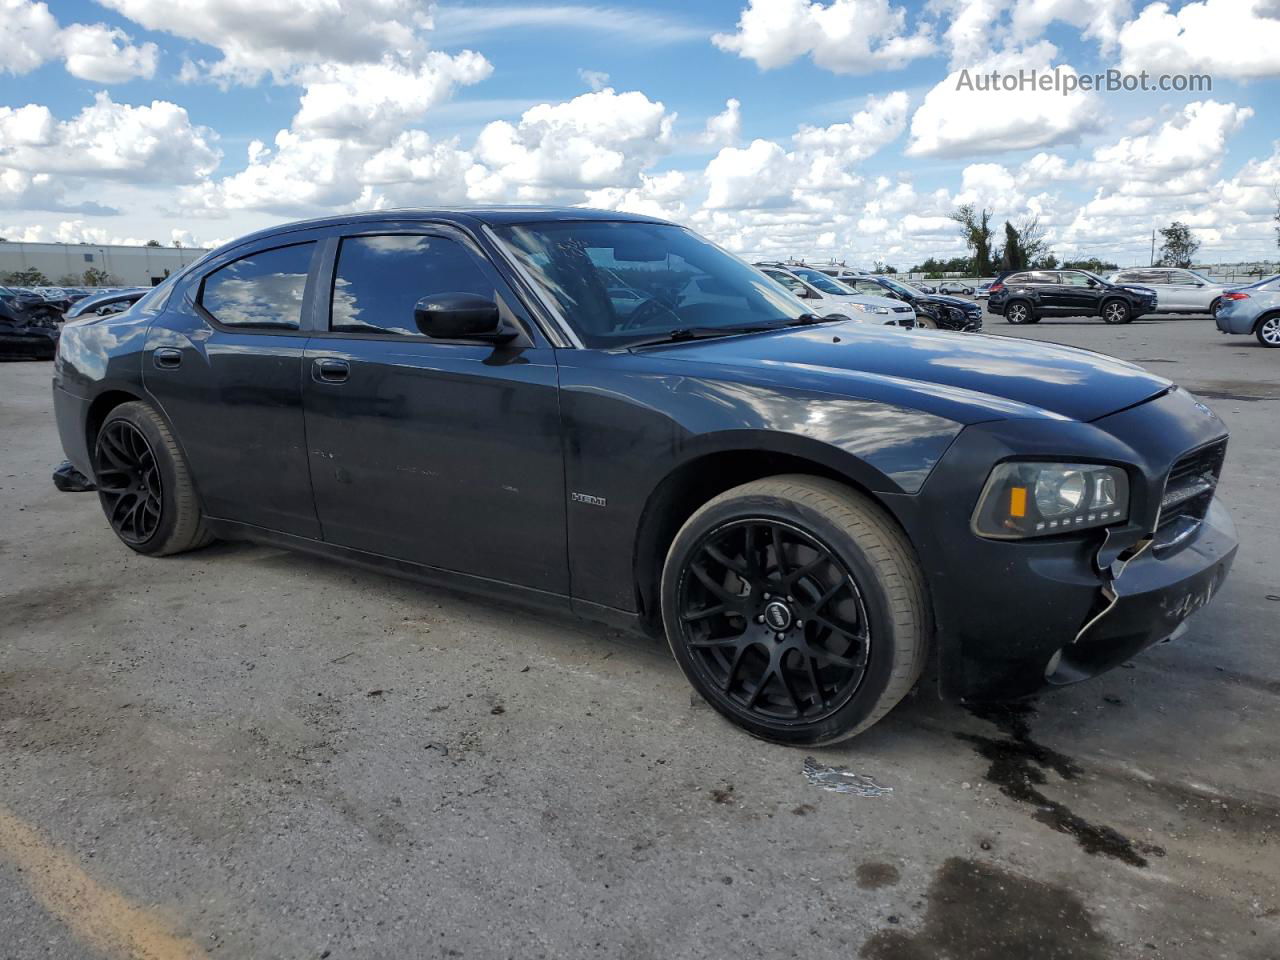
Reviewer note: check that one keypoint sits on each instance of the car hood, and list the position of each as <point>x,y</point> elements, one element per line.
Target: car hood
<point>968,378</point>
<point>888,302</point>
<point>947,300</point>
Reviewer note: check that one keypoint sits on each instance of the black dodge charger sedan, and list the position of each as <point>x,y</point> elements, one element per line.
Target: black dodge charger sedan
<point>608,414</point>
<point>1029,295</point>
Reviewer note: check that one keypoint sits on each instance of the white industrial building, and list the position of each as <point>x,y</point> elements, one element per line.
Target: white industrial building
<point>125,266</point>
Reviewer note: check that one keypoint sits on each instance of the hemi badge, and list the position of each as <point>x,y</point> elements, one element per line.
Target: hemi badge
<point>588,499</point>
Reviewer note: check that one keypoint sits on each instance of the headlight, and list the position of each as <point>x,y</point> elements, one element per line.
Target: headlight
<point>1040,499</point>
<point>870,308</point>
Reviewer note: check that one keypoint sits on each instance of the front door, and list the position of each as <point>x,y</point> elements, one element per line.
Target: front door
<point>444,453</point>
<point>1078,294</point>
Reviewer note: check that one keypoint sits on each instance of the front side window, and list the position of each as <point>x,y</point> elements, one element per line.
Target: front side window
<point>378,280</point>
<point>788,281</point>
<point>672,280</point>
<point>262,291</point>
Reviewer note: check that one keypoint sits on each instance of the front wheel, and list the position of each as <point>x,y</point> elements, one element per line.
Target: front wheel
<point>1018,312</point>
<point>926,322</point>
<point>1268,332</point>
<point>797,609</point>
<point>1116,311</point>
<point>1215,307</point>
<point>144,485</point>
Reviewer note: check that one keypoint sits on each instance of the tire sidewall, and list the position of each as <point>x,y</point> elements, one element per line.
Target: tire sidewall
<point>1258,332</point>
<point>1010,314</point>
<point>882,654</point>
<point>136,414</point>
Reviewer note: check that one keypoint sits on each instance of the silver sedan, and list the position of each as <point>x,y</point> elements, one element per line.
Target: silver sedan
<point>1254,309</point>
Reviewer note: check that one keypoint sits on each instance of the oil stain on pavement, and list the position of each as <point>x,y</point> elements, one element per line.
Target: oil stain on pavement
<point>980,912</point>
<point>1018,766</point>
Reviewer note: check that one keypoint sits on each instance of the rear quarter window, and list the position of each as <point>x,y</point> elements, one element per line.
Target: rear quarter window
<point>261,291</point>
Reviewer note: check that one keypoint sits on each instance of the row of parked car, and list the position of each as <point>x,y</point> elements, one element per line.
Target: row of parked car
<point>31,317</point>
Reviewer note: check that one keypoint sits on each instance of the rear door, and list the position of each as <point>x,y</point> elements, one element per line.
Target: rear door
<point>224,361</point>
<point>1044,289</point>
<point>1078,294</point>
<point>444,453</point>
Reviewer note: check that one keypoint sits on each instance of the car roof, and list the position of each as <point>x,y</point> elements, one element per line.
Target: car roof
<point>470,216</point>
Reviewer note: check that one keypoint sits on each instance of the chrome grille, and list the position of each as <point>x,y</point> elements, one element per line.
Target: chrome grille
<point>1188,491</point>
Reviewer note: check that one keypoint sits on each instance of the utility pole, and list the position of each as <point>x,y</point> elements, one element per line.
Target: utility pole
<point>1153,249</point>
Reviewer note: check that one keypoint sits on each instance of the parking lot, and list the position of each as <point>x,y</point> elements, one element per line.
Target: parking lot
<point>243,752</point>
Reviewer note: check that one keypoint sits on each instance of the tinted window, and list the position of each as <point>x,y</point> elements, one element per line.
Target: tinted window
<point>823,282</point>
<point>261,291</point>
<point>1074,280</point>
<point>379,279</point>
<point>1018,278</point>
<point>788,281</point>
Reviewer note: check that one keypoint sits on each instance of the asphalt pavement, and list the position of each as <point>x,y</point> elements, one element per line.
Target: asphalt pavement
<point>247,753</point>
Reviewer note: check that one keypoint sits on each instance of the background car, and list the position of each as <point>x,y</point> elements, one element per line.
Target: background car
<point>1029,295</point>
<point>983,290</point>
<point>114,301</point>
<point>26,329</point>
<point>829,297</point>
<point>1177,290</point>
<point>932,310</point>
<point>955,286</point>
<point>1254,309</point>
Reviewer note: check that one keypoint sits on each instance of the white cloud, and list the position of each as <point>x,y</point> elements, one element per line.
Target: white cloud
<point>973,26</point>
<point>958,122</point>
<point>1097,19</point>
<point>257,37</point>
<point>376,100</point>
<point>1230,38</point>
<point>662,195</point>
<point>462,24</point>
<point>595,140</point>
<point>595,79</point>
<point>155,143</point>
<point>105,55</point>
<point>725,128</point>
<point>846,36</point>
<point>879,123</point>
<point>94,52</point>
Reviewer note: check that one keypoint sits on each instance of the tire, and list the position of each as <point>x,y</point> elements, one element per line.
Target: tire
<point>743,642</point>
<point>926,322</point>
<point>1268,331</point>
<point>1115,312</point>
<point>1215,307</point>
<point>144,483</point>
<point>1019,312</point>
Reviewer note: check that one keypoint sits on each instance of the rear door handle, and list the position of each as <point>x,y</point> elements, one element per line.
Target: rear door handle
<point>330,370</point>
<point>166,358</point>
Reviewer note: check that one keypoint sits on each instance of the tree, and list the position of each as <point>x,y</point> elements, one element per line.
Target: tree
<point>93,277</point>
<point>30,277</point>
<point>976,226</point>
<point>68,280</point>
<point>1179,245</point>
<point>1276,193</point>
<point>152,243</point>
<point>1092,264</point>
<point>881,267</point>
<point>178,244</point>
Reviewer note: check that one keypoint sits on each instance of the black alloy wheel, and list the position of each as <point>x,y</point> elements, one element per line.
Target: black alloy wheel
<point>129,482</point>
<point>774,620</point>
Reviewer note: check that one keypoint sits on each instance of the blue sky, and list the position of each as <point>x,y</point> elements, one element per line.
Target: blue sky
<point>626,92</point>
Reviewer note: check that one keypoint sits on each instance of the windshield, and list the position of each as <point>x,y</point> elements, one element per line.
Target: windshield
<point>904,288</point>
<point>618,282</point>
<point>822,282</point>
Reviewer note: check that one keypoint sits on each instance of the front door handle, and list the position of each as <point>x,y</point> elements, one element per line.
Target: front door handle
<point>167,358</point>
<point>330,370</point>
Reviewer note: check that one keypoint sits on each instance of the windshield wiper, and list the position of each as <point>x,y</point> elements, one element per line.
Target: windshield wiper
<point>682,334</point>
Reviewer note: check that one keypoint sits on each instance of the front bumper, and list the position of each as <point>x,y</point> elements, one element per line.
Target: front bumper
<point>1011,615</point>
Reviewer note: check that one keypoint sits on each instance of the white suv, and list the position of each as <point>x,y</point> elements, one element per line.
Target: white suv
<point>1177,290</point>
<point>829,297</point>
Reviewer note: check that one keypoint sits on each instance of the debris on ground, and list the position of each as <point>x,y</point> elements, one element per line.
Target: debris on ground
<point>839,780</point>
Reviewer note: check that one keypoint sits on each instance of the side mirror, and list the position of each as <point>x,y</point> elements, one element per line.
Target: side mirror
<point>460,316</point>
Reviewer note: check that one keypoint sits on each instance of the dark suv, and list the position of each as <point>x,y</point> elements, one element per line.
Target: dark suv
<point>932,309</point>
<point>607,414</point>
<point>1029,295</point>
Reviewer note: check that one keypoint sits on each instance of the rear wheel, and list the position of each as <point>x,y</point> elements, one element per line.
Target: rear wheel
<point>1018,312</point>
<point>1268,331</point>
<point>1116,311</point>
<point>796,607</point>
<point>144,485</point>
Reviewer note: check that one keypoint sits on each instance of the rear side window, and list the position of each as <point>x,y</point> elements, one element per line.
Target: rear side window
<point>1018,278</point>
<point>262,291</point>
<point>378,280</point>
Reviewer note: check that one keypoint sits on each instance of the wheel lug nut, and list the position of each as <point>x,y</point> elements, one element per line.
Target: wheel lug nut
<point>768,596</point>
<point>760,618</point>
<point>779,636</point>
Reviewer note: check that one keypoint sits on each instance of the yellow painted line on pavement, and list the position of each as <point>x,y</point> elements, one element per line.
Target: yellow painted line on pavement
<point>99,917</point>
